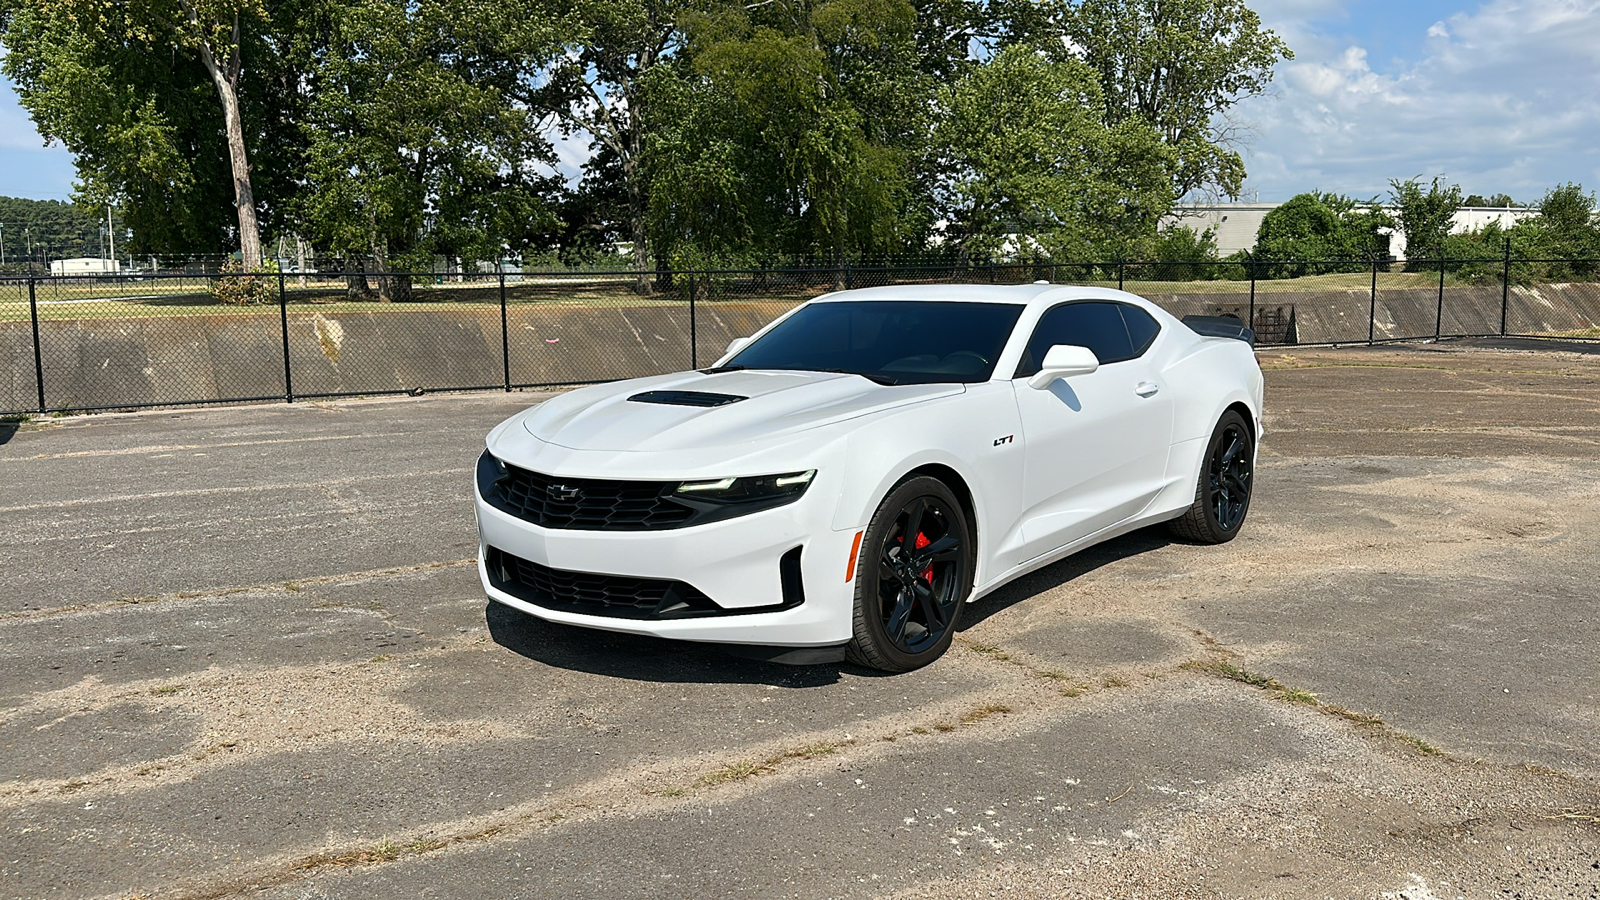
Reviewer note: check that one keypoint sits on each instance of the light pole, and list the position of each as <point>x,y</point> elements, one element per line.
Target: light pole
<point>2,243</point>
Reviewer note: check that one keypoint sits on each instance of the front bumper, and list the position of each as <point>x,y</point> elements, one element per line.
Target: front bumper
<point>739,564</point>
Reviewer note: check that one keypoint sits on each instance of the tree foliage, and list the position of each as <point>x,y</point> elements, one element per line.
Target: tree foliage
<point>1034,169</point>
<point>1424,215</point>
<point>49,229</point>
<point>402,131</point>
<point>1318,227</point>
<point>413,148</point>
<point>1177,66</point>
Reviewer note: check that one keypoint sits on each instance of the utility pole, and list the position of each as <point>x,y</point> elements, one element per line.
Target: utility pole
<point>112,236</point>
<point>2,243</point>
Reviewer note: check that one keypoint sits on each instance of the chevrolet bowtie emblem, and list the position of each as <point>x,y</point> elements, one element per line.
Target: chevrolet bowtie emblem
<point>562,492</point>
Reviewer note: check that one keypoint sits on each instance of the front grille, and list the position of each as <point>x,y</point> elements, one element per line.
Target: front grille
<point>590,593</point>
<point>590,504</point>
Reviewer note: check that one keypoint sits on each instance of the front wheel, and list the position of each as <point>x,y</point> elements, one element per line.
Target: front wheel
<point>913,575</point>
<point>1227,476</point>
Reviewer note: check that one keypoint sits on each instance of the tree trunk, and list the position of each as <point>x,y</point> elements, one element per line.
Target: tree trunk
<point>228,89</point>
<point>381,265</point>
<point>636,231</point>
<point>355,280</point>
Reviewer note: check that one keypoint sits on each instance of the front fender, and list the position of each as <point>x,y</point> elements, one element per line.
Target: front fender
<point>975,434</point>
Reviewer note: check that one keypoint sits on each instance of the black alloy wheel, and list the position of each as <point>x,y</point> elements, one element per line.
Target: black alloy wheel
<point>1222,496</point>
<point>914,572</point>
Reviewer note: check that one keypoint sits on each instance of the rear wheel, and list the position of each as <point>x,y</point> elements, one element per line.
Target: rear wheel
<point>1222,494</point>
<point>913,575</point>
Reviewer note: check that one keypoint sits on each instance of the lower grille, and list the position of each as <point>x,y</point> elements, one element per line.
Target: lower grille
<point>595,594</point>
<point>622,596</point>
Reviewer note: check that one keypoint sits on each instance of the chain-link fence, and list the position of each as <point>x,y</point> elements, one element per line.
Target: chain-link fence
<point>121,341</point>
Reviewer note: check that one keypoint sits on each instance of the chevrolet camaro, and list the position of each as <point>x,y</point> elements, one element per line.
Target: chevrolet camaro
<point>843,482</point>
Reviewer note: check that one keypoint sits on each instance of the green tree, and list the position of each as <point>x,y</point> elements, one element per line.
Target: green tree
<point>1177,66</point>
<point>1029,159</point>
<point>144,92</point>
<point>415,148</point>
<point>597,85</point>
<point>1424,215</point>
<point>788,129</point>
<point>1320,228</point>
<point>1565,235</point>
<point>42,229</point>
<point>1186,254</point>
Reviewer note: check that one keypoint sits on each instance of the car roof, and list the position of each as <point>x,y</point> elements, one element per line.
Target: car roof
<point>1016,294</point>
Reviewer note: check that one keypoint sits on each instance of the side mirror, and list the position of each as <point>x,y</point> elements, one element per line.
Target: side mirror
<point>1063,361</point>
<point>736,345</point>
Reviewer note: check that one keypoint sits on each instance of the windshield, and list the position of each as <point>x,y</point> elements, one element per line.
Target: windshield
<point>889,341</point>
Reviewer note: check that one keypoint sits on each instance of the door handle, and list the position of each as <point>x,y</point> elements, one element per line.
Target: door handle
<point>1146,388</point>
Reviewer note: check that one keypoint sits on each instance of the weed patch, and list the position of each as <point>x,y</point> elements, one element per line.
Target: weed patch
<point>739,771</point>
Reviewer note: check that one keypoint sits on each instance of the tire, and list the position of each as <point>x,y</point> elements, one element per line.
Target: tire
<point>913,576</point>
<point>1222,492</point>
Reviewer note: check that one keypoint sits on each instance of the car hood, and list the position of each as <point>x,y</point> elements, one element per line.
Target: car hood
<point>776,403</point>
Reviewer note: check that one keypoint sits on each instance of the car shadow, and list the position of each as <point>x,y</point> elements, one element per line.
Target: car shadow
<point>8,430</point>
<point>1058,574</point>
<point>640,658</point>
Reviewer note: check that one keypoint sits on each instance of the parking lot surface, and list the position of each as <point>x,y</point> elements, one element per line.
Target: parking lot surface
<point>243,651</point>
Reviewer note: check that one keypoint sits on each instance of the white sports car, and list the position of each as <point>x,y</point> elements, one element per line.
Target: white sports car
<point>842,482</point>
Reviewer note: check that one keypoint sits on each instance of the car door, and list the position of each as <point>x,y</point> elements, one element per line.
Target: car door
<point>1094,446</point>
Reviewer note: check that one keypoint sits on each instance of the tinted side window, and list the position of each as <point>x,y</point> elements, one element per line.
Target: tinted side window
<point>1098,326</point>
<point>1142,328</point>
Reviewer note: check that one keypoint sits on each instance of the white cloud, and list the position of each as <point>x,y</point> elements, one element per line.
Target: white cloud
<point>1504,98</point>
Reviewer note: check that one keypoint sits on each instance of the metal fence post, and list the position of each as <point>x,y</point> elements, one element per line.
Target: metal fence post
<point>1438,319</point>
<point>505,334</point>
<point>1505,287</point>
<point>1120,267</point>
<point>694,346</point>
<point>1372,307</point>
<point>283,322</point>
<point>38,359</point>
<point>1250,263</point>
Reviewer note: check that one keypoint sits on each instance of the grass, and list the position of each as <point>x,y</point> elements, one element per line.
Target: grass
<point>1277,690</point>
<point>385,850</point>
<point>989,650</point>
<point>188,297</point>
<point>973,716</point>
<point>166,689</point>
<point>740,771</point>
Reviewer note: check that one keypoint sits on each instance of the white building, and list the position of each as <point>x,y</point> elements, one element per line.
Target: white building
<point>1236,224</point>
<point>84,265</point>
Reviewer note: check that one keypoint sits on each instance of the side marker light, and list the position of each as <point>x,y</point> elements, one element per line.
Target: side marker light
<point>850,567</point>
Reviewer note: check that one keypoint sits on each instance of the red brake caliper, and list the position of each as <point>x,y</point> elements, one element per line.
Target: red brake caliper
<point>922,541</point>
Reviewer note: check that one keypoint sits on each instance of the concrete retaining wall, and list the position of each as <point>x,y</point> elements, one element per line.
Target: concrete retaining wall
<point>152,360</point>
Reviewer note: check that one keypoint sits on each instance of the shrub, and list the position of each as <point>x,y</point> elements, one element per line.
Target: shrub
<point>236,287</point>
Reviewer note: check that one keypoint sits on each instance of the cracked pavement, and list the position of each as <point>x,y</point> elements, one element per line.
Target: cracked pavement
<point>243,651</point>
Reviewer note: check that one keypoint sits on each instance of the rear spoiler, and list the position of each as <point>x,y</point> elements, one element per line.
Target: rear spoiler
<point>1221,326</point>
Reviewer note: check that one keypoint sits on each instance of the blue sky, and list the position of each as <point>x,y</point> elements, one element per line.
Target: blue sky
<point>1502,95</point>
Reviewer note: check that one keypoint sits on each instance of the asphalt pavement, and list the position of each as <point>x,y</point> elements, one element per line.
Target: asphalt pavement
<point>243,651</point>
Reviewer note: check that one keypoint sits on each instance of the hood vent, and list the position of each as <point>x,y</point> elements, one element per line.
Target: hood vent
<point>686,398</point>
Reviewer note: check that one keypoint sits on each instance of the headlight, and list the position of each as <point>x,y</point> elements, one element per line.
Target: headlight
<point>750,489</point>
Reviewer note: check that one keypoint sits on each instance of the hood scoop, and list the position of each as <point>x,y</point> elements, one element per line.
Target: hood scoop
<point>686,398</point>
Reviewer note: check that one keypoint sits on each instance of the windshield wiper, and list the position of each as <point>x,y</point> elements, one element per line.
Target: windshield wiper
<point>718,370</point>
